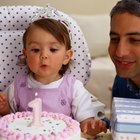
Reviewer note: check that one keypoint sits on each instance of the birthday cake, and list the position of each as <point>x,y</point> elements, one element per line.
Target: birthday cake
<point>54,127</point>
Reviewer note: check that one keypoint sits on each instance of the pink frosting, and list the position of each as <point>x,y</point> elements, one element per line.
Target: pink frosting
<point>73,127</point>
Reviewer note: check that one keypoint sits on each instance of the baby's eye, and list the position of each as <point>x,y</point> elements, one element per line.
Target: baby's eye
<point>53,49</point>
<point>35,50</point>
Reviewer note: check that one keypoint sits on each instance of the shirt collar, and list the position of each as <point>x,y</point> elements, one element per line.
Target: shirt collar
<point>32,83</point>
<point>131,84</point>
<point>133,88</point>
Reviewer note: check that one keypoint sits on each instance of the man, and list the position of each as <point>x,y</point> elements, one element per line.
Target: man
<point>124,48</point>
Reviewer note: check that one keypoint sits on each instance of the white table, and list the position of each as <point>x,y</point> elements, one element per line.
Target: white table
<point>101,136</point>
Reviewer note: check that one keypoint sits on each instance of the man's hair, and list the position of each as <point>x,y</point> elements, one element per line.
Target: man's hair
<point>126,6</point>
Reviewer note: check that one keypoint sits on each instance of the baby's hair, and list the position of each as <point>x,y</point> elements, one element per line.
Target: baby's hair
<point>57,29</point>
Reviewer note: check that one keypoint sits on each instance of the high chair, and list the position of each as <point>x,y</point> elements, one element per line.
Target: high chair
<point>13,22</point>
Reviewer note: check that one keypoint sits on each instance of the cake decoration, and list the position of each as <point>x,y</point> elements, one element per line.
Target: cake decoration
<point>36,105</point>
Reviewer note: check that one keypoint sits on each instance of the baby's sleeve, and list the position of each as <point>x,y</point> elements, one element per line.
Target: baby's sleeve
<point>10,93</point>
<point>85,105</point>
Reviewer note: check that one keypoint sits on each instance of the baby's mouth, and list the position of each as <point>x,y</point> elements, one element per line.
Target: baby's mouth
<point>43,65</point>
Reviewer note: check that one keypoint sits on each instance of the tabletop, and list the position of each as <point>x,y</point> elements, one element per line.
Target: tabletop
<point>101,136</point>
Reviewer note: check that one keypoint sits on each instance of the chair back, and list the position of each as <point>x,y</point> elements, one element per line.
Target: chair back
<point>13,22</point>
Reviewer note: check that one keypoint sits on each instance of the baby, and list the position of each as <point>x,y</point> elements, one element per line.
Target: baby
<point>48,53</point>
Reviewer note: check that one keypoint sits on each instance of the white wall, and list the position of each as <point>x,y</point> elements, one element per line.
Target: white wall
<point>69,6</point>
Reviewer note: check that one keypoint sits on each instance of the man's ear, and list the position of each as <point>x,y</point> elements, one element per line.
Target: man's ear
<point>68,56</point>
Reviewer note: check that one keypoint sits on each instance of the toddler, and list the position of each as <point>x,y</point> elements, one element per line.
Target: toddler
<point>47,51</point>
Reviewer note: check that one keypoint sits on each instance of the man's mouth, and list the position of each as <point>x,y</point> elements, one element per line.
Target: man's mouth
<point>124,63</point>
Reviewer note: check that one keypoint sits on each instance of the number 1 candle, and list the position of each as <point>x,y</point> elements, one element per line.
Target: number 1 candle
<point>36,105</point>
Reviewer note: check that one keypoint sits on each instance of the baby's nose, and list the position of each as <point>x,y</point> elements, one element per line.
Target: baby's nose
<point>44,55</point>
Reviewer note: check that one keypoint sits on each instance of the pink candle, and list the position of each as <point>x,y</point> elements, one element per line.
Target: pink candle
<point>36,104</point>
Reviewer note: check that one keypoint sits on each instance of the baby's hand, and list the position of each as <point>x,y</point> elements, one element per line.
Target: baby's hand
<point>93,126</point>
<point>4,104</point>
<point>3,100</point>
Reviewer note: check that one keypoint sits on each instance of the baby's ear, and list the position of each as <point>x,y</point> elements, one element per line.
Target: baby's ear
<point>24,52</point>
<point>68,56</point>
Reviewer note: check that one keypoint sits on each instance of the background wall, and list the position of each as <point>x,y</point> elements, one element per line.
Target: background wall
<point>70,6</point>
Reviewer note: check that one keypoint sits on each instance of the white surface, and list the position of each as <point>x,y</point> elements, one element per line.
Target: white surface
<point>96,30</point>
<point>83,139</point>
<point>101,80</point>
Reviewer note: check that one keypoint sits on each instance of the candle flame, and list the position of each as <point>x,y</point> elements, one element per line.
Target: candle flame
<point>36,94</point>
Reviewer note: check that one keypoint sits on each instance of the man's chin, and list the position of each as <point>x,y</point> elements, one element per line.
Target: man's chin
<point>123,74</point>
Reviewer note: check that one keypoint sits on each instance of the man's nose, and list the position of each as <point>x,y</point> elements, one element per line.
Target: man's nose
<point>122,49</point>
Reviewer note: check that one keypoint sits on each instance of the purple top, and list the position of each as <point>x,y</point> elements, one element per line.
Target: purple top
<point>53,100</point>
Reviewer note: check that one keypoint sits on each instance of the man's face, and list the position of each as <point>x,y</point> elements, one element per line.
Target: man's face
<point>124,47</point>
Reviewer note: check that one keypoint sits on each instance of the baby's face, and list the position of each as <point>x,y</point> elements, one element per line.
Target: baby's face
<point>45,55</point>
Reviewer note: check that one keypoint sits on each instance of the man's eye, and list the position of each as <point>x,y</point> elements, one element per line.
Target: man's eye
<point>135,40</point>
<point>114,40</point>
<point>35,50</point>
<point>53,50</point>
